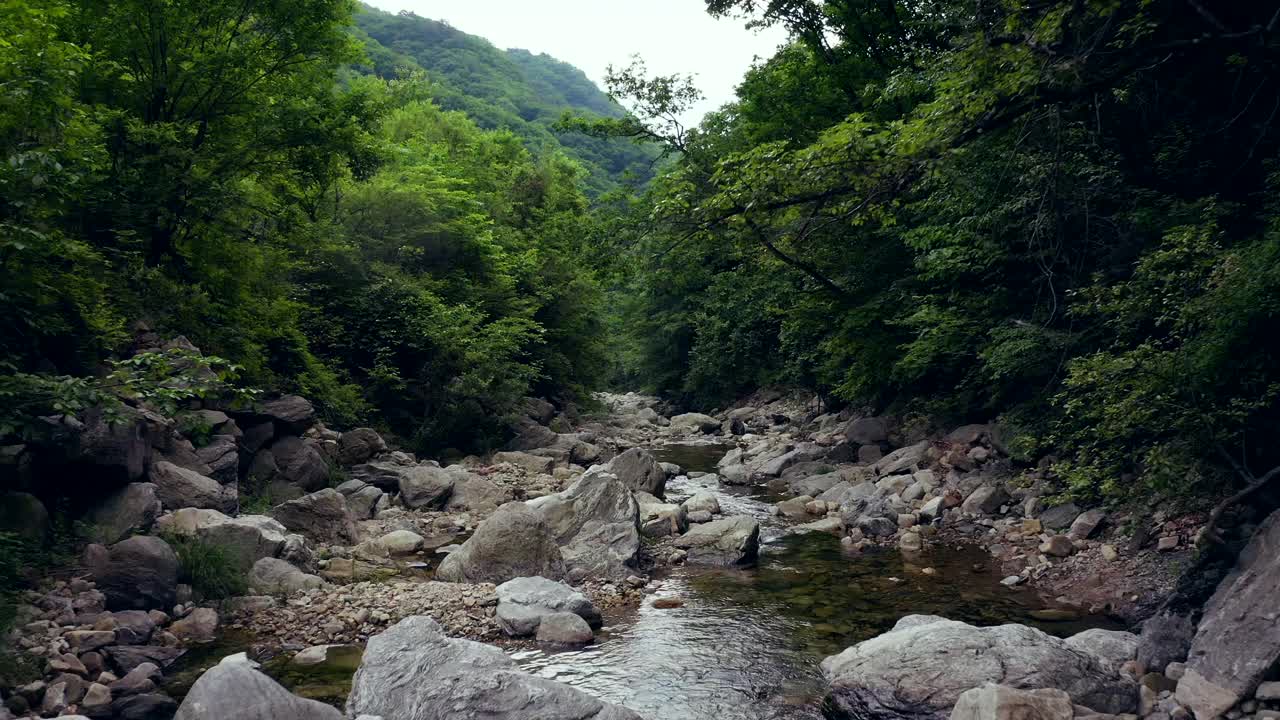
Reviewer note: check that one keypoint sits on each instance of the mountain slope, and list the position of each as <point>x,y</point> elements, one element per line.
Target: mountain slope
<point>512,89</point>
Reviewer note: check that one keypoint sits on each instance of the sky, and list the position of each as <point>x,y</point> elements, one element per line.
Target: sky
<point>673,36</point>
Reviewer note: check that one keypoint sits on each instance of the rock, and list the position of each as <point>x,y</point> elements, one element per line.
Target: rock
<point>138,573</point>
<point>907,459</point>
<point>659,519</point>
<point>126,658</point>
<point>245,539</point>
<point>424,486</point>
<point>516,541</point>
<point>472,493</point>
<point>234,688</point>
<point>273,576</point>
<point>536,464</point>
<point>1268,691</point>
<point>700,516</point>
<point>816,485</point>
<point>401,542</point>
<point>1001,702</point>
<point>197,627</point>
<point>290,414</point>
<point>118,448</point>
<point>24,515</point>
<point>728,541</point>
<point>181,488</point>
<point>807,452</point>
<point>357,446</point>
<point>703,500</point>
<point>921,667</point>
<point>331,655</point>
<point>910,542</point>
<point>133,627</point>
<point>1086,524</point>
<point>1165,639</point>
<point>986,500</point>
<point>523,602</point>
<point>1238,639</point>
<point>1058,546</point>
<point>832,524</point>
<point>299,462</point>
<point>83,641</point>
<point>564,629</point>
<point>1111,646</point>
<point>322,516</point>
<point>131,509</point>
<point>222,457</point>
<point>363,503</point>
<point>140,679</point>
<point>531,436</point>
<point>150,706</point>
<point>932,509</point>
<point>1167,543</point>
<point>467,679</point>
<point>596,524</point>
<point>96,701</point>
<point>695,422</point>
<point>1110,553</point>
<point>1060,517</point>
<point>867,431</point>
<point>639,471</point>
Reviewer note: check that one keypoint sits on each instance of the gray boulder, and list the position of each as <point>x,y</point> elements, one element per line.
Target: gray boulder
<point>357,446</point>
<point>24,515</point>
<point>660,519</point>
<point>1001,702</point>
<point>867,431</point>
<point>245,539</point>
<point>472,493</point>
<point>321,516</point>
<point>1060,517</point>
<point>139,573</point>
<point>564,629</point>
<point>815,485</point>
<point>272,576</point>
<point>531,436</point>
<point>986,500</point>
<point>695,422</point>
<point>807,452</point>
<point>904,460</point>
<point>703,500</point>
<point>468,681</point>
<point>515,541</point>
<point>299,462</point>
<point>920,668</point>
<point>729,541</point>
<point>131,509</point>
<point>363,503</point>
<point>234,688</point>
<point>639,471</point>
<point>595,522</point>
<point>290,414</point>
<point>536,464</point>
<point>523,602</point>
<point>1114,647</point>
<point>125,659</point>
<point>424,486</point>
<point>181,488</point>
<point>1237,642</point>
<point>222,457</point>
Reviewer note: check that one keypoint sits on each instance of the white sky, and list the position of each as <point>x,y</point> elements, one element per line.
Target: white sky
<point>673,36</point>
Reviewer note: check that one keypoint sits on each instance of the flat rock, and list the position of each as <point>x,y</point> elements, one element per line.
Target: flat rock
<point>729,541</point>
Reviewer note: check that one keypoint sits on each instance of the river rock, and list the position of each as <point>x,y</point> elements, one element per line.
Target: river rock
<point>986,500</point>
<point>639,471</point>
<point>24,515</point>
<point>515,541</point>
<point>596,524</point>
<point>234,688</point>
<point>133,627</point>
<point>816,485</point>
<point>867,431</point>
<point>703,500</point>
<point>358,445</point>
<point>472,493</point>
<point>659,519</point>
<point>291,414</point>
<point>120,447</point>
<point>1086,524</point>
<point>197,627</point>
<point>363,503</point>
<point>126,658</point>
<point>536,464</point>
<point>468,680</point>
<point>321,516</point>
<point>531,435</point>
<point>1115,647</point>
<point>138,573</point>
<point>564,629</point>
<point>523,602</point>
<point>904,460</point>
<point>1238,639</point>
<point>920,668</point>
<point>401,542</point>
<point>244,539</point>
<point>273,576</point>
<point>695,422</point>
<point>181,488</point>
<point>807,452</point>
<point>1060,517</point>
<point>149,706</point>
<point>131,509</point>
<point>222,457</point>
<point>424,486</point>
<point>300,463</point>
<point>729,541</point>
<point>1001,702</point>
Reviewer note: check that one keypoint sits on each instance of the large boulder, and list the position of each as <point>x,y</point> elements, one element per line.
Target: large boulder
<point>695,422</point>
<point>867,431</point>
<point>472,493</point>
<point>424,486</point>
<point>537,464</point>
<point>181,488</point>
<point>807,452</point>
<point>412,671</point>
<point>1237,642</point>
<point>660,519</point>
<point>1113,646</point>
<point>640,471</point>
<point>222,457</point>
<point>299,462</point>
<point>524,602</point>
<point>904,460</point>
<point>595,522</point>
<point>515,541</point>
<point>234,688</point>
<point>139,573</point>
<point>729,541</point>
<point>290,414</point>
<point>986,500</point>
<point>321,516</point>
<point>531,436</point>
<point>921,667</point>
<point>131,509</point>
<point>24,515</point>
<point>244,540</point>
<point>118,447</point>
<point>1001,702</point>
<point>538,410</point>
<point>272,576</point>
<point>357,446</point>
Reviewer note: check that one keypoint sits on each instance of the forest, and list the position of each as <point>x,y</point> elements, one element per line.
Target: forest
<point>1058,215</point>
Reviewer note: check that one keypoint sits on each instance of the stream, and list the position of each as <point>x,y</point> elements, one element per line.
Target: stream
<point>746,644</point>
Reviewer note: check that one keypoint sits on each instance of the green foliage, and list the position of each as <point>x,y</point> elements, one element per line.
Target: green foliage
<point>208,568</point>
<point>978,212</point>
